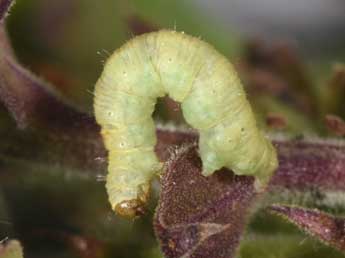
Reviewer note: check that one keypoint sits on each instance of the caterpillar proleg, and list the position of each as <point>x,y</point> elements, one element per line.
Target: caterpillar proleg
<point>213,101</point>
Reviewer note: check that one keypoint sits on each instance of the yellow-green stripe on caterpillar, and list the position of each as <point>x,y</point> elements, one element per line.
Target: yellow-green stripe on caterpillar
<point>213,101</point>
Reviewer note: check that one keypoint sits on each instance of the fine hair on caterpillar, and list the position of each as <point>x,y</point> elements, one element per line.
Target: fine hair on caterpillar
<point>193,73</point>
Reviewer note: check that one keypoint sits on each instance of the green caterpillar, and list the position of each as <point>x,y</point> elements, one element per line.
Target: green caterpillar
<point>213,101</point>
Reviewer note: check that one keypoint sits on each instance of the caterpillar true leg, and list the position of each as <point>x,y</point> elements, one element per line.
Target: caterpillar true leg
<point>213,101</point>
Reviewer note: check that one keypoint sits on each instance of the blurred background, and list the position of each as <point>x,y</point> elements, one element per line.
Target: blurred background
<point>315,26</point>
<point>74,37</point>
<point>288,54</point>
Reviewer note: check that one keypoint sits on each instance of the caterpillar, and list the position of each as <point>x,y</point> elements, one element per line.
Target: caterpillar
<point>213,101</point>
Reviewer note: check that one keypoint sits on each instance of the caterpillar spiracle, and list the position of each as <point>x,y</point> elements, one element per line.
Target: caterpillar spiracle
<point>213,101</point>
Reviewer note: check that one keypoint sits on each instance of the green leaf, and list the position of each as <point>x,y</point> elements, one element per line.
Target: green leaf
<point>11,249</point>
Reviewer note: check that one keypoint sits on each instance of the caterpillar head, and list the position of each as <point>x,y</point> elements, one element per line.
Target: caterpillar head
<point>136,207</point>
<point>130,209</point>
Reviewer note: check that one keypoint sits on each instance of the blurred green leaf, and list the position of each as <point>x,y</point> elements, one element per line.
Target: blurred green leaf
<point>284,246</point>
<point>11,249</point>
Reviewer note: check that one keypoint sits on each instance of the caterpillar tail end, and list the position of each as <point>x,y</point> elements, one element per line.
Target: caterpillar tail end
<point>262,170</point>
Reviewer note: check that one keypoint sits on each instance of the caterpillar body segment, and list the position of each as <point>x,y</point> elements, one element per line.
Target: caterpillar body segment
<point>213,101</point>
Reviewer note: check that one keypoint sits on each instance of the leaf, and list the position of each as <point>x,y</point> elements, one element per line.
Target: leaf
<point>34,102</point>
<point>201,216</point>
<point>4,7</point>
<point>310,163</point>
<point>11,249</point>
<point>31,100</point>
<point>187,219</point>
<point>325,227</point>
<point>4,43</point>
<point>303,163</point>
<point>59,131</point>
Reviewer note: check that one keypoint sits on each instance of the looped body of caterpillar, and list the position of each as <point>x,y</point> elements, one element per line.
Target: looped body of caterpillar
<point>213,101</point>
